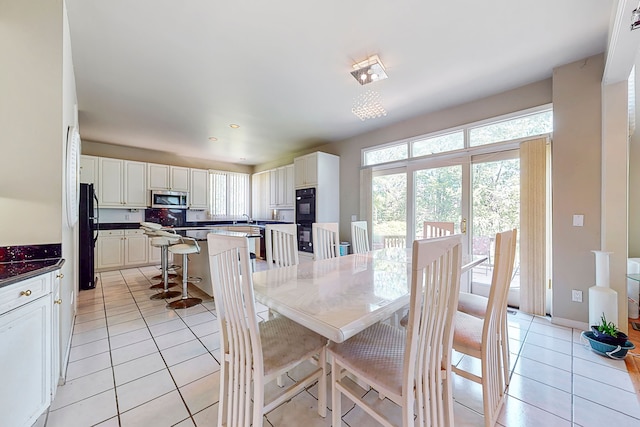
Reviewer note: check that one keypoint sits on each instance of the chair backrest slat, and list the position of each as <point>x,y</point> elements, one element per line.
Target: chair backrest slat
<point>359,237</point>
<point>281,242</point>
<point>437,229</point>
<point>325,240</point>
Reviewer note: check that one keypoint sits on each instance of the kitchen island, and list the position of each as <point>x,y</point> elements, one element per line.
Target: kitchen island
<point>199,263</point>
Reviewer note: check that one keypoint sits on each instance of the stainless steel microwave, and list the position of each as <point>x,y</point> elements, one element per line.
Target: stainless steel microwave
<point>169,199</point>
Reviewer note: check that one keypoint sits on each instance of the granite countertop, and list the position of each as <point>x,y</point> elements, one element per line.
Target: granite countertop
<point>22,262</point>
<point>192,225</point>
<point>17,271</point>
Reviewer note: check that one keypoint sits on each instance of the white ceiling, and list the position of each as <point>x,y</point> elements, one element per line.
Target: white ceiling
<point>166,75</point>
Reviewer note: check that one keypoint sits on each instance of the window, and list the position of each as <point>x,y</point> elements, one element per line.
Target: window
<point>229,193</point>
<point>501,129</point>
<point>516,128</point>
<point>386,154</point>
<point>438,144</point>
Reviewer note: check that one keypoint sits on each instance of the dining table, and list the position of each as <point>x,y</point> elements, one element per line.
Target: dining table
<point>339,297</point>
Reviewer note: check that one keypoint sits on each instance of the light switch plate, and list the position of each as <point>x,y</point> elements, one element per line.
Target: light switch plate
<point>354,218</point>
<point>578,220</point>
<point>576,295</point>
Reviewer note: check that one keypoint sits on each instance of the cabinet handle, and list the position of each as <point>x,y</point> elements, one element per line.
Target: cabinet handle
<point>58,301</point>
<point>26,293</point>
<point>60,276</point>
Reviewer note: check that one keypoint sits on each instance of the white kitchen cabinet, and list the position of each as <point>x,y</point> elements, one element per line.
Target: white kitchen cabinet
<point>89,169</point>
<point>110,249</point>
<point>321,171</point>
<point>122,183</point>
<point>306,170</point>
<point>55,331</point>
<point>288,185</point>
<point>122,248</point>
<point>281,188</point>
<point>199,189</point>
<point>136,245</point>
<point>166,177</point>
<point>313,170</point>
<point>260,200</point>
<point>25,350</point>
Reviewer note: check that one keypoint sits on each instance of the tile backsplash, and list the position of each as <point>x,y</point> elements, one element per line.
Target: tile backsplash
<point>121,215</point>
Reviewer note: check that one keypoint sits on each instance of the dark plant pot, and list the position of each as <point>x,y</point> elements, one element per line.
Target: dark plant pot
<point>620,339</point>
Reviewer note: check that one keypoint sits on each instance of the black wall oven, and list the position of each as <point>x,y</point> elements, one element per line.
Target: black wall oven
<point>305,216</point>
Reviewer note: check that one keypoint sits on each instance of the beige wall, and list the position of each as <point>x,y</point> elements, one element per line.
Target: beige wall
<point>30,122</point>
<point>36,108</point>
<point>576,182</point>
<point>102,149</point>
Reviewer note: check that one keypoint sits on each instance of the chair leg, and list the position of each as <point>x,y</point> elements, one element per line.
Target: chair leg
<point>336,411</point>
<point>322,384</point>
<point>166,293</point>
<point>185,301</point>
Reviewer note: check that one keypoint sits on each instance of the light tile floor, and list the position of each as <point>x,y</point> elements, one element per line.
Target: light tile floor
<point>134,362</point>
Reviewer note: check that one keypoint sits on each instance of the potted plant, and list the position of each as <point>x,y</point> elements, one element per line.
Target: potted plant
<point>608,333</point>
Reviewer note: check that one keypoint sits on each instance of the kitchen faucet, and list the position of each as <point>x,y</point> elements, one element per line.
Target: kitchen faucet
<point>248,219</point>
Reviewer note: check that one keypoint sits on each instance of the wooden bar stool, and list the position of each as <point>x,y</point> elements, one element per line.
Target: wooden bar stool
<point>188,246</point>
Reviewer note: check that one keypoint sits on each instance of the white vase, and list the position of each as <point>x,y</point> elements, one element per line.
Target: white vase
<point>602,299</point>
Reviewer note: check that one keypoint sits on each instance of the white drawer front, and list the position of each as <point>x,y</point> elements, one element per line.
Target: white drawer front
<point>21,293</point>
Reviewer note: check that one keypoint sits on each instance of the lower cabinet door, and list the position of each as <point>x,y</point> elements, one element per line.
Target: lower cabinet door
<point>135,249</point>
<point>25,357</point>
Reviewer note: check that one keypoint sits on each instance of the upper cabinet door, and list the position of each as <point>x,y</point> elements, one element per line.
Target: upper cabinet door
<point>135,184</point>
<point>179,178</point>
<point>199,194</point>
<point>306,170</point>
<point>88,169</point>
<point>158,176</point>
<point>110,179</point>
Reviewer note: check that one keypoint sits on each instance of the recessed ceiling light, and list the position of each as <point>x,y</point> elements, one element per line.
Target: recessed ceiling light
<point>213,138</point>
<point>233,125</point>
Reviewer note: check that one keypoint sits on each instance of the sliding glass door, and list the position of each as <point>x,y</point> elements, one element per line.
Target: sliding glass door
<point>389,208</point>
<point>495,207</point>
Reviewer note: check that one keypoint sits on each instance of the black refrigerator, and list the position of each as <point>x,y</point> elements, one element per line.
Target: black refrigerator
<point>88,235</point>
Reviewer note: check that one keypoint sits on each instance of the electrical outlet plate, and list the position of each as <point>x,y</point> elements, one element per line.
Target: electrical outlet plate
<point>576,296</point>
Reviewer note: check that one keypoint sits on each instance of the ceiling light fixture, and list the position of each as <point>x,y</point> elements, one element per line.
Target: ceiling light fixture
<point>369,70</point>
<point>213,138</point>
<point>635,18</point>
<point>367,106</point>
<point>235,126</point>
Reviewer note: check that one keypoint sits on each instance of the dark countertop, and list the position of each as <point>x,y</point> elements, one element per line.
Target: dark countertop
<point>17,271</point>
<point>195,224</point>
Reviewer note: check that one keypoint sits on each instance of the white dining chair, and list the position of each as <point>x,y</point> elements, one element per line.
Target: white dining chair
<point>325,240</point>
<point>281,241</point>
<point>253,353</point>
<point>437,229</point>
<point>359,237</point>
<point>411,367</point>
<point>482,338</point>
